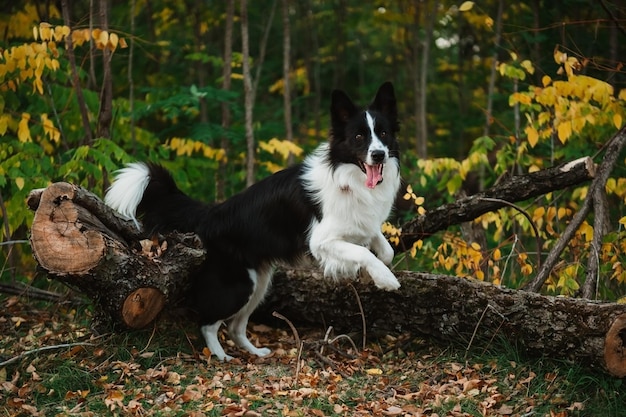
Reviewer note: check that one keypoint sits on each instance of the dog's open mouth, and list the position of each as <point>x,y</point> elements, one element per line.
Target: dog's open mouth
<point>374,174</point>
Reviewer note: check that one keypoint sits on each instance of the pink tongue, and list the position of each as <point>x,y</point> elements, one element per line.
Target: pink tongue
<point>374,175</point>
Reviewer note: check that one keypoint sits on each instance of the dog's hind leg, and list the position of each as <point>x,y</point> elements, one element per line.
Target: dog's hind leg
<point>209,332</point>
<point>237,326</point>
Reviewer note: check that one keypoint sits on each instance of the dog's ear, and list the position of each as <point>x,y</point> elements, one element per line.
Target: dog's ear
<point>385,102</point>
<point>341,107</point>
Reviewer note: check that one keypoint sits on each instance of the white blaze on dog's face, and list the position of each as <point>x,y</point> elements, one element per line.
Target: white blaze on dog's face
<point>377,154</point>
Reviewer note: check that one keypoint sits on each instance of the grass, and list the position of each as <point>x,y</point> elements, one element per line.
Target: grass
<point>163,371</point>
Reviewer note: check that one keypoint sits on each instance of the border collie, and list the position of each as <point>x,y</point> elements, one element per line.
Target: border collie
<point>331,205</point>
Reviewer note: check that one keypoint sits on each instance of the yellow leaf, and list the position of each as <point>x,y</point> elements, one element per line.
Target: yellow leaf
<point>532,135</point>
<point>466,6</point>
<point>4,123</point>
<point>587,230</point>
<point>19,181</point>
<point>23,132</point>
<point>103,39</point>
<point>564,131</point>
<point>622,221</point>
<point>59,33</point>
<point>559,57</point>
<point>546,80</point>
<point>496,255</point>
<point>374,371</point>
<point>622,94</point>
<point>113,40</point>
<point>617,121</point>
<point>528,66</point>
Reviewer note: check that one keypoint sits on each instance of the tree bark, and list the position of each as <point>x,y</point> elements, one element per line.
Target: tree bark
<point>105,114</point>
<point>450,309</point>
<point>248,94</point>
<point>79,241</point>
<point>227,71</point>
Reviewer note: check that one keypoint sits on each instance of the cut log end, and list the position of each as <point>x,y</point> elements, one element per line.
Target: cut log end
<point>61,243</point>
<point>142,306</point>
<point>615,347</point>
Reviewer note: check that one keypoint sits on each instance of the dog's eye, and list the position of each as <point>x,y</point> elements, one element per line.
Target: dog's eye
<point>359,137</point>
<point>383,134</point>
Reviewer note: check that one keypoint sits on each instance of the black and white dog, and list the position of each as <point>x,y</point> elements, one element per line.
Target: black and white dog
<point>332,205</point>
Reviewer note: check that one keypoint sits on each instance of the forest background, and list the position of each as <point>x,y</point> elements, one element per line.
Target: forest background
<point>224,93</point>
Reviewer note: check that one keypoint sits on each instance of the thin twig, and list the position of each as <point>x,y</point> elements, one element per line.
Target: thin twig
<point>298,342</point>
<point>475,330</point>
<point>494,334</point>
<point>154,327</point>
<point>530,220</point>
<point>363,322</point>
<point>12,242</point>
<point>43,349</point>
<point>344,336</point>
<point>508,258</point>
<point>20,289</point>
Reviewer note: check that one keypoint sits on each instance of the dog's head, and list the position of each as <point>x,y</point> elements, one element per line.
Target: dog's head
<point>366,138</point>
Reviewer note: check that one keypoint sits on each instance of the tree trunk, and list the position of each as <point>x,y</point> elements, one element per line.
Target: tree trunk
<point>79,241</point>
<point>287,74</point>
<point>105,114</point>
<point>451,309</point>
<point>220,187</point>
<point>248,95</point>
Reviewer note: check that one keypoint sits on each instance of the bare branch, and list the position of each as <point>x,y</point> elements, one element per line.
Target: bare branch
<point>610,157</point>
<point>511,189</point>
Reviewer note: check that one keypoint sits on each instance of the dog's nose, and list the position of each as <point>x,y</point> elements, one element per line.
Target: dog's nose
<point>378,156</point>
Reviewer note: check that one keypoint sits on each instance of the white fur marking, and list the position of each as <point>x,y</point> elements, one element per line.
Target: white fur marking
<point>239,322</point>
<point>376,144</point>
<point>209,332</point>
<point>351,222</point>
<point>126,192</point>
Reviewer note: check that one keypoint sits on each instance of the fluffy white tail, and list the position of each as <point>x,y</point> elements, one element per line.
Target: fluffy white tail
<point>126,192</point>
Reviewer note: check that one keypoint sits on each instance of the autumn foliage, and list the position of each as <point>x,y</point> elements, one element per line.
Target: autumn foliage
<point>550,114</point>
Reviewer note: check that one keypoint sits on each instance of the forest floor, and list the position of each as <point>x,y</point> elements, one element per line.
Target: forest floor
<point>165,371</point>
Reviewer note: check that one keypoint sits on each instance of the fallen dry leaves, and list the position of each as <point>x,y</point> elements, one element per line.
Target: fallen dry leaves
<point>116,377</point>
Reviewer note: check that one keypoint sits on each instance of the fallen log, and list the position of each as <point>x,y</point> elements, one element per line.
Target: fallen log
<point>450,309</point>
<point>82,243</point>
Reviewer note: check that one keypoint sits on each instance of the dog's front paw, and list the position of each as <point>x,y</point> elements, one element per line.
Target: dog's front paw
<point>386,254</point>
<point>384,279</point>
